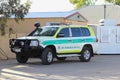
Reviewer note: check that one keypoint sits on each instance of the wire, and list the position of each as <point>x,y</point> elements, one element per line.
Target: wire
<point>3,53</point>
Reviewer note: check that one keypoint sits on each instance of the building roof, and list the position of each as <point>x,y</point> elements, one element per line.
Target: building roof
<point>49,14</point>
<point>96,12</point>
<point>68,15</point>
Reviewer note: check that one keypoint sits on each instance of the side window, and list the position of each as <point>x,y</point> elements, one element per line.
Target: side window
<point>76,32</point>
<point>65,31</point>
<point>85,32</point>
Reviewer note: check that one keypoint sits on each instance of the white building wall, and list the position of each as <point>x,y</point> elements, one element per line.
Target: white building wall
<point>109,39</point>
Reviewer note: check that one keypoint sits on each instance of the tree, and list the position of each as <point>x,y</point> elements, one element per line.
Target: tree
<point>117,2</point>
<point>10,8</point>
<point>79,3</point>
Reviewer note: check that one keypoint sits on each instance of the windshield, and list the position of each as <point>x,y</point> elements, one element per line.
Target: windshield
<point>44,31</point>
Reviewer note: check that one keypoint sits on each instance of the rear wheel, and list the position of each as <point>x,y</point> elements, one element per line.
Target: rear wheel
<point>86,54</point>
<point>21,58</point>
<point>47,56</point>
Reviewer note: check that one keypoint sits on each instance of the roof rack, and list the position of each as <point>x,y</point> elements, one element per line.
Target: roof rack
<point>57,23</point>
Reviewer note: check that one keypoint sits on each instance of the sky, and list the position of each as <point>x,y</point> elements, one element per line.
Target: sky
<point>50,5</point>
<point>53,5</point>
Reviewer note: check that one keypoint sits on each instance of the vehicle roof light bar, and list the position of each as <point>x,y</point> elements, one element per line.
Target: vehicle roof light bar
<point>55,23</point>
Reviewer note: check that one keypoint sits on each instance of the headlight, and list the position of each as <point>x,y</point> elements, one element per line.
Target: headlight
<point>34,43</point>
<point>22,43</point>
<point>13,42</point>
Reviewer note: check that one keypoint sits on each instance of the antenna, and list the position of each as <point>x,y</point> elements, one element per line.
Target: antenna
<point>104,9</point>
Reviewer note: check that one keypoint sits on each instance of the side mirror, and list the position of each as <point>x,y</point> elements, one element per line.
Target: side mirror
<point>60,35</point>
<point>37,24</point>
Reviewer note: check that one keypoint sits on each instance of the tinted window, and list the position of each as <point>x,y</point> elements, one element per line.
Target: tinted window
<point>76,32</point>
<point>85,32</point>
<point>65,31</point>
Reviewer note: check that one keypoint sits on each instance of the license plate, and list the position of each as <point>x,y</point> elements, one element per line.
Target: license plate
<point>17,50</point>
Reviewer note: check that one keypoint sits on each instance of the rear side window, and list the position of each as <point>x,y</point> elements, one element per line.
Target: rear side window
<point>85,32</point>
<point>76,32</point>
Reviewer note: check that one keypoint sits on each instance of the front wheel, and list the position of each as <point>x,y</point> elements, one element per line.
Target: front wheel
<point>47,56</point>
<point>21,58</point>
<point>85,54</point>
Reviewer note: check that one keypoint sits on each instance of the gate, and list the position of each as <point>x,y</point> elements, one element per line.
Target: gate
<point>109,39</point>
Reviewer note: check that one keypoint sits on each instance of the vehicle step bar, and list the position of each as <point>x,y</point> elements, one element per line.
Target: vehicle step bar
<point>68,55</point>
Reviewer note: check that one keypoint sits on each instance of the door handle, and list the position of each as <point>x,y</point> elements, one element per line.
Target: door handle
<point>83,40</point>
<point>70,40</point>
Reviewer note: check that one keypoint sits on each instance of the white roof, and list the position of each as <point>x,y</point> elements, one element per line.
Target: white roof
<point>48,14</point>
<point>68,14</point>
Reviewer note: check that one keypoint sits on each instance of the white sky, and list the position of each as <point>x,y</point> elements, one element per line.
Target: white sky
<point>53,5</point>
<point>50,5</point>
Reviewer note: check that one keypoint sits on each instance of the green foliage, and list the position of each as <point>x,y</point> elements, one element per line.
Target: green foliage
<point>79,3</point>
<point>3,21</point>
<point>117,2</point>
<point>14,8</point>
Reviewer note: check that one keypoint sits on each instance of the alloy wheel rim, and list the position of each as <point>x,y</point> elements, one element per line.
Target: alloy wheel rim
<point>49,57</point>
<point>86,54</point>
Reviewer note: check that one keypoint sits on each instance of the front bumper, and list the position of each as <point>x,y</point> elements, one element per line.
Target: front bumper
<point>26,49</point>
<point>23,47</point>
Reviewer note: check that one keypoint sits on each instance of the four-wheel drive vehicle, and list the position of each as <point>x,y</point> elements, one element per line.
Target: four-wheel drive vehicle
<point>57,41</point>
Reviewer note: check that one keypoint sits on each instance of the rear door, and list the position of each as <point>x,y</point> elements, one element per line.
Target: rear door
<point>77,40</point>
<point>80,37</point>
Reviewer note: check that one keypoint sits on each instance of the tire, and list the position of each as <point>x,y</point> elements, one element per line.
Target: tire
<point>21,59</point>
<point>61,58</point>
<point>85,54</point>
<point>47,56</point>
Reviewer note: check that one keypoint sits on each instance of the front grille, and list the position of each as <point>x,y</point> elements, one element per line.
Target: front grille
<point>21,43</point>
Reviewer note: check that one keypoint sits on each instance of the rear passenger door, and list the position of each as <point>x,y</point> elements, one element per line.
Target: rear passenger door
<point>76,39</point>
<point>79,37</point>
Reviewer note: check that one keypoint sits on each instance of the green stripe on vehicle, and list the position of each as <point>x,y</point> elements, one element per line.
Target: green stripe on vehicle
<point>50,42</point>
<point>66,41</point>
